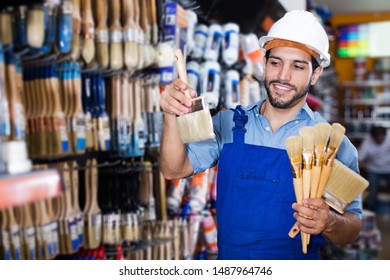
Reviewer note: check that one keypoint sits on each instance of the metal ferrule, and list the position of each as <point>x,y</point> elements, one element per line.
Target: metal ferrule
<point>198,104</point>
<point>308,157</point>
<point>330,155</point>
<point>296,167</point>
<point>319,152</point>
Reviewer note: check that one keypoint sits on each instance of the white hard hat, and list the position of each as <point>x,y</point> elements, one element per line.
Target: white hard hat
<point>301,27</point>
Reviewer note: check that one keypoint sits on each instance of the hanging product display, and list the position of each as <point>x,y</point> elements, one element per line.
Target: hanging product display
<point>230,43</point>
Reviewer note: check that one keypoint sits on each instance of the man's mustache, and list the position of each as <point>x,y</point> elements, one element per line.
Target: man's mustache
<point>282,83</point>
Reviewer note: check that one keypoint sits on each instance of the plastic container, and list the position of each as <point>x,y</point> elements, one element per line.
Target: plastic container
<point>214,42</point>
<point>211,82</point>
<point>231,43</point>
<point>200,38</point>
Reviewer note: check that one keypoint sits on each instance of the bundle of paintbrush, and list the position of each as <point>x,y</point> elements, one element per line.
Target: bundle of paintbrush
<point>320,146</point>
<point>197,124</point>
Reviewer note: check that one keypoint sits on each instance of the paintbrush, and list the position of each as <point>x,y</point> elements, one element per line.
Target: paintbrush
<point>138,123</point>
<point>102,121</point>
<point>154,36</point>
<point>139,34</point>
<point>294,145</point>
<point>76,20</point>
<point>336,136</point>
<point>307,134</point>
<point>102,37</point>
<point>14,234</point>
<point>149,52</point>
<point>77,115</point>
<point>125,115</point>
<point>93,218</point>
<point>5,245</point>
<point>69,233</point>
<point>343,186</point>
<point>58,117</point>
<point>197,125</point>
<point>41,107</point>
<point>28,234</point>
<point>65,27</point>
<point>6,34</point>
<point>87,31</point>
<point>146,192</point>
<point>130,50</point>
<point>321,132</point>
<point>76,211</point>
<point>87,104</point>
<point>53,227</point>
<point>126,210</point>
<point>35,26</point>
<point>47,232</point>
<point>116,53</point>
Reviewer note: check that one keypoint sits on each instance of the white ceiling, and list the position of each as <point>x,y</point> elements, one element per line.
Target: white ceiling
<point>355,6</point>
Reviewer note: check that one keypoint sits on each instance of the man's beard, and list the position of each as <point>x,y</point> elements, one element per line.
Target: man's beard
<point>287,104</point>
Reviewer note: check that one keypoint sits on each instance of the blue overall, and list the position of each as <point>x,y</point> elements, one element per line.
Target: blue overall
<point>254,199</point>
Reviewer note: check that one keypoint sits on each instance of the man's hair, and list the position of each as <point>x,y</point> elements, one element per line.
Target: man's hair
<point>314,61</point>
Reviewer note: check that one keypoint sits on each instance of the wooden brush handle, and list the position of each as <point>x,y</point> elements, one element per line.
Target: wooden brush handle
<point>131,98</point>
<point>144,16</point>
<point>325,173</point>
<point>294,230</point>
<point>76,17</point>
<point>87,21</point>
<point>101,10</point>
<point>127,13</point>
<point>5,27</point>
<point>75,186</point>
<point>124,89</point>
<point>298,189</point>
<point>306,177</point>
<point>87,184</point>
<point>181,70</point>
<point>315,178</point>
<point>94,188</point>
<point>154,21</point>
<point>115,23</point>
<point>137,101</point>
<point>77,91</point>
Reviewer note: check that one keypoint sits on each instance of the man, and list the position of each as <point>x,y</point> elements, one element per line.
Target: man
<point>374,156</point>
<point>255,199</point>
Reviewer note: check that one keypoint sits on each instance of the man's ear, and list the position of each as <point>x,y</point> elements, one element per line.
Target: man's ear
<point>316,74</point>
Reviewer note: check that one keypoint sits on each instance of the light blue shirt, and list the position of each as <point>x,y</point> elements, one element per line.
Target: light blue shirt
<point>204,155</point>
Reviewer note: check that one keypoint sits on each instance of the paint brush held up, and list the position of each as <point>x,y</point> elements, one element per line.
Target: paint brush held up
<point>336,136</point>
<point>321,136</point>
<point>294,150</point>
<point>197,124</point>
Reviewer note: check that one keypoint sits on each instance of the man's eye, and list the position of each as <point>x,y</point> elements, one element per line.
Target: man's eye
<point>297,67</point>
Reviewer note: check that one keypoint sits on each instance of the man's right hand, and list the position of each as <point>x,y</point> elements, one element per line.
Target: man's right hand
<point>173,101</point>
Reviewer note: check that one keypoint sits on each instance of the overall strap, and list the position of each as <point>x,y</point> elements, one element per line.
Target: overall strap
<point>240,119</point>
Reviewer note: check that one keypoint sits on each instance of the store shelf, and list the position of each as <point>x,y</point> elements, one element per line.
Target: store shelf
<point>368,83</point>
<point>24,188</point>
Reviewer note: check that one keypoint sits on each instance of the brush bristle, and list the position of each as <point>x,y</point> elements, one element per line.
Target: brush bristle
<point>102,55</point>
<point>336,136</point>
<point>322,132</point>
<point>195,126</point>
<point>294,146</point>
<point>88,52</point>
<point>343,186</point>
<point>307,134</point>
<point>116,55</point>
